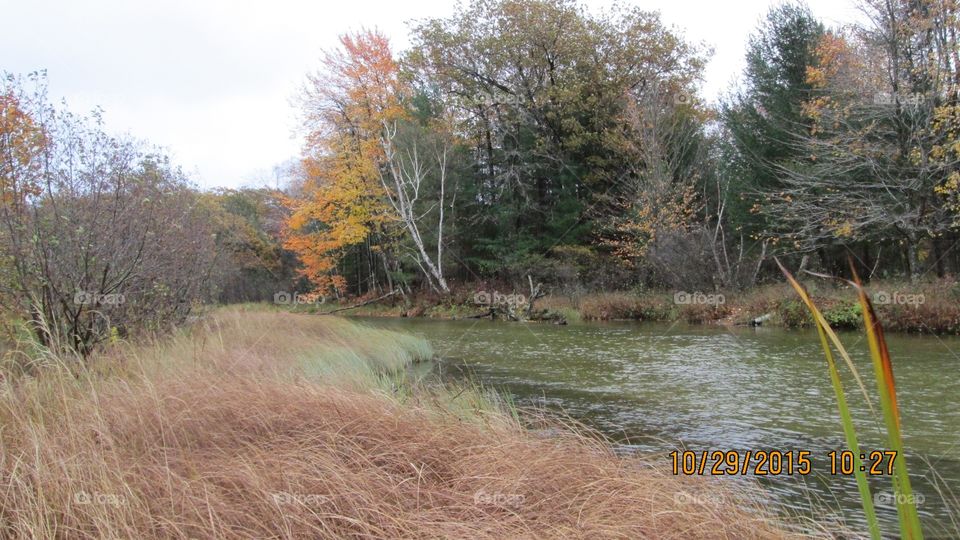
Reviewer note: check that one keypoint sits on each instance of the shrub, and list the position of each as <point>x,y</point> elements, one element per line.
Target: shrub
<point>793,314</point>
<point>704,313</point>
<point>845,315</point>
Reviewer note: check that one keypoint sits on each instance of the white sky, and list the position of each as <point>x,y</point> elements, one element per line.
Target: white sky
<point>212,80</point>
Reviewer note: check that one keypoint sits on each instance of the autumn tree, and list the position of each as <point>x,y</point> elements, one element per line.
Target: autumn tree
<point>655,213</point>
<point>23,143</point>
<point>342,210</point>
<point>252,263</point>
<point>877,151</point>
<point>540,91</point>
<point>368,167</point>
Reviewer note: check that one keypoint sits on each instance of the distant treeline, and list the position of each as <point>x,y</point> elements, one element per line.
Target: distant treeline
<point>539,138</point>
<point>516,138</point>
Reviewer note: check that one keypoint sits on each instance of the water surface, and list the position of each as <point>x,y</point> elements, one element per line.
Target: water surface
<point>655,388</point>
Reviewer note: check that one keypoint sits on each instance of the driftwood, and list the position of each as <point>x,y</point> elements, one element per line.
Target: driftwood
<point>758,321</point>
<point>361,304</point>
<point>492,313</point>
<point>535,292</point>
<point>522,312</point>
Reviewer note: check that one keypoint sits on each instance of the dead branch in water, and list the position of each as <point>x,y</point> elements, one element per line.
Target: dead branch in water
<point>361,304</point>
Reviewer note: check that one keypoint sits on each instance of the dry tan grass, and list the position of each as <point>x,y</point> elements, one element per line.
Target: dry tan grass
<point>223,433</point>
<point>625,306</point>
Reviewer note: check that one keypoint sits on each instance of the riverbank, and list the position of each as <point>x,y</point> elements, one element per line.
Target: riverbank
<point>257,423</point>
<point>931,307</point>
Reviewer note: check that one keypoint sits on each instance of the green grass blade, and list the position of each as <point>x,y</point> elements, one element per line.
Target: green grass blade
<point>846,419</point>
<point>883,370</point>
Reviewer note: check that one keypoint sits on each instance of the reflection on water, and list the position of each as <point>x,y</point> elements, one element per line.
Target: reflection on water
<point>656,387</point>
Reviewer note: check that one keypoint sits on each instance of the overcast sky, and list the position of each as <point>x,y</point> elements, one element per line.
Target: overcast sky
<point>212,80</point>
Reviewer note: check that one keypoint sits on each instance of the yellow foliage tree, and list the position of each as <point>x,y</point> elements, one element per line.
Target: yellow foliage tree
<point>342,204</point>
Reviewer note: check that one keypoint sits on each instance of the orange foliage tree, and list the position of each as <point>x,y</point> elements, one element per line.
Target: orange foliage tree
<point>22,142</point>
<point>342,208</point>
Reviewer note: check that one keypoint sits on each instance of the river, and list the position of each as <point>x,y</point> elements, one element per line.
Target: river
<point>654,388</point>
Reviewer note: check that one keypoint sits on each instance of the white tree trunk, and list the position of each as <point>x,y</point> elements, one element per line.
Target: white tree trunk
<point>407,175</point>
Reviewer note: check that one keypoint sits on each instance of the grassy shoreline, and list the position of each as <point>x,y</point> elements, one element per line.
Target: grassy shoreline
<point>929,308</point>
<point>258,423</point>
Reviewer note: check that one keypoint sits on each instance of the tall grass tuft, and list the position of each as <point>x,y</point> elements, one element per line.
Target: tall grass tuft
<point>883,373</point>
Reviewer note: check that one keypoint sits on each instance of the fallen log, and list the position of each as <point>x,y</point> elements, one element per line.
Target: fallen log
<point>361,304</point>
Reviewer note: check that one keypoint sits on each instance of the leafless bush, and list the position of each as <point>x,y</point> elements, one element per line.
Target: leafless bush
<point>98,236</point>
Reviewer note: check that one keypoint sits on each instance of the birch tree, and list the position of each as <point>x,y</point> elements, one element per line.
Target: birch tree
<point>414,158</point>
